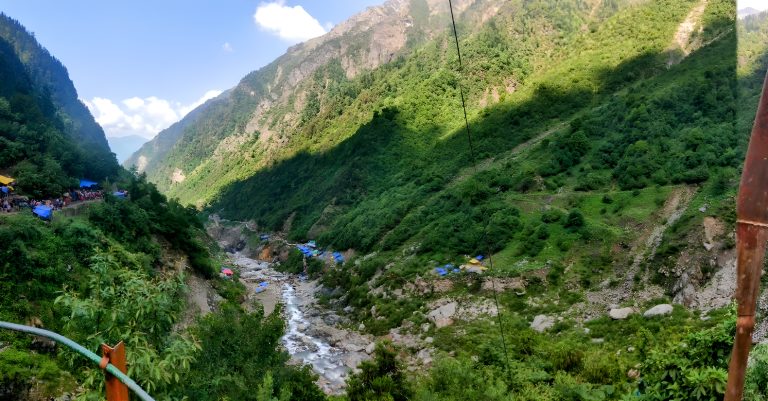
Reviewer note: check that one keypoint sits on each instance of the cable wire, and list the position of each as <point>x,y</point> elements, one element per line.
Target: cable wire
<point>474,166</point>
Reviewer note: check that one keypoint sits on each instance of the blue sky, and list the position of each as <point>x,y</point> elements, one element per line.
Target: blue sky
<point>140,65</point>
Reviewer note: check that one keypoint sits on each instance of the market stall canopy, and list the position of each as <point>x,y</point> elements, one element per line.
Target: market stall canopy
<point>87,183</point>
<point>44,212</point>
<point>6,180</point>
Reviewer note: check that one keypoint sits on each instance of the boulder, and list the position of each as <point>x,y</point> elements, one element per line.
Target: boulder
<point>620,313</point>
<point>352,359</point>
<point>542,322</point>
<point>425,355</point>
<point>352,347</point>
<point>370,348</point>
<point>658,310</point>
<point>443,315</point>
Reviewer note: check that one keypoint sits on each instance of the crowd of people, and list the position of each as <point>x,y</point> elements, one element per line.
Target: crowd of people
<point>12,203</point>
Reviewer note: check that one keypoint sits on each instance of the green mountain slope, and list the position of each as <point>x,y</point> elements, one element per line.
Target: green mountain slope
<point>318,93</point>
<point>47,134</point>
<point>398,163</point>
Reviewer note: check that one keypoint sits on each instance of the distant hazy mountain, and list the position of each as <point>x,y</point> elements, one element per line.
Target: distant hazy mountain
<point>124,146</point>
<point>745,12</point>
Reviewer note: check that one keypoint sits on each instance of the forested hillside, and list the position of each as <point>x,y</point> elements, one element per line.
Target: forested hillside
<point>48,136</point>
<point>379,158</point>
<point>607,138</point>
<point>318,93</point>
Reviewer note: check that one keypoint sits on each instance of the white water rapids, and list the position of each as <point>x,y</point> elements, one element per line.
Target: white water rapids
<point>307,337</point>
<point>324,359</point>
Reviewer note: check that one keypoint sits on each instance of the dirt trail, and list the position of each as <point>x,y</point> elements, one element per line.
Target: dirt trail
<point>685,31</point>
<point>487,164</point>
<point>646,244</point>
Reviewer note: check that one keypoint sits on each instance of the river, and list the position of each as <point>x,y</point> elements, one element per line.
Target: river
<point>312,336</point>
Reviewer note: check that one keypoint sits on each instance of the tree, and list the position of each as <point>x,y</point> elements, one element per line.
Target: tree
<point>381,379</point>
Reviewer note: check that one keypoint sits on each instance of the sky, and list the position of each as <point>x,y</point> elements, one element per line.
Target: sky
<point>141,65</point>
<point>761,5</point>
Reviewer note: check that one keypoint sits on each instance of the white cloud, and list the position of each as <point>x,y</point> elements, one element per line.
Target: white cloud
<point>140,116</point>
<point>227,47</point>
<point>292,24</point>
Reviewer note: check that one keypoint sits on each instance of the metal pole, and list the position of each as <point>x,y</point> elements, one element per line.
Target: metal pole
<point>116,391</point>
<point>751,236</point>
<point>112,369</point>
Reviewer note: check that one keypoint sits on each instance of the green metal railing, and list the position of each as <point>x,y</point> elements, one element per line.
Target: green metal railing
<point>111,369</point>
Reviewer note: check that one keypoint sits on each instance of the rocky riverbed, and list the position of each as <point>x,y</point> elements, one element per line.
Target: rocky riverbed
<point>314,336</point>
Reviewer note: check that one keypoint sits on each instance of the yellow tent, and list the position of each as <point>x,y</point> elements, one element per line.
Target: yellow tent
<point>6,180</point>
<point>474,268</point>
<point>474,261</point>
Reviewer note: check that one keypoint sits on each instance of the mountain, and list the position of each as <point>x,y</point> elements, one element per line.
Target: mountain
<point>318,81</point>
<point>745,12</point>
<point>49,137</point>
<point>337,125</point>
<point>148,157</point>
<point>598,177</point>
<point>125,146</point>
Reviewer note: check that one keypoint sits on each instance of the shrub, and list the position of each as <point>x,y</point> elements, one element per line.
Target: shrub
<point>381,379</point>
<point>574,220</point>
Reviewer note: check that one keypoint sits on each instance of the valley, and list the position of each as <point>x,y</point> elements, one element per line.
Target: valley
<point>330,229</point>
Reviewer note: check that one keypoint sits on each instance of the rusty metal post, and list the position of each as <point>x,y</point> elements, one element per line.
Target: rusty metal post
<point>116,390</point>
<point>751,236</point>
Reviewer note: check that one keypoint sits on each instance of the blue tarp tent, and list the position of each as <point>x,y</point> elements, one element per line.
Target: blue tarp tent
<point>44,212</point>
<point>4,189</point>
<point>304,250</point>
<point>338,257</point>
<point>119,194</point>
<point>87,183</point>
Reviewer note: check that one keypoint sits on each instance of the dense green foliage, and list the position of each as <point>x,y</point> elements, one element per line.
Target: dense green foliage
<point>102,278</point>
<point>382,379</point>
<point>149,214</point>
<point>239,351</point>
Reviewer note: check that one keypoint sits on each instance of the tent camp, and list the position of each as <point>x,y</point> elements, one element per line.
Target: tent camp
<point>87,183</point>
<point>42,211</point>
